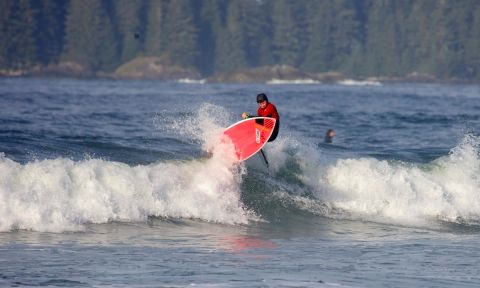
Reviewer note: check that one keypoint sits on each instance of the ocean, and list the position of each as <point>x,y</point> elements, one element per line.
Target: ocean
<point>108,183</point>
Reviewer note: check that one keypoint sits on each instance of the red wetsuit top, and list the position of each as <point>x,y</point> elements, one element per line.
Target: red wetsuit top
<point>270,111</point>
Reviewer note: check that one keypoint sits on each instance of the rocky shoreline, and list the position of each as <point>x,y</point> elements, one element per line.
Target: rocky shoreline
<point>157,68</point>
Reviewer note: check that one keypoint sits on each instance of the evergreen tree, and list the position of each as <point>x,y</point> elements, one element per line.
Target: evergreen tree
<point>472,57</point>
<point>257,32</point>
<point>287,46</point>
<point>453,20</point>
<point>5,33</point>
<point>415,38</point>
<point>156,36</point>
<point>317,53</point>
<point>358,38</point>
<point>18,48</point>
<point>211,31</point>
<point>346,37</point>
<point>243,37</point>
<point>182,33</point>
<point>235,46</point>
<point>90,38</point>
<point>381,48</point>
<point>49,29</point>
<point>129,16</point>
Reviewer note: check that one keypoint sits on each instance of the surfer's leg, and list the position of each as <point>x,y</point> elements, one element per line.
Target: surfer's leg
<point>274,134</point>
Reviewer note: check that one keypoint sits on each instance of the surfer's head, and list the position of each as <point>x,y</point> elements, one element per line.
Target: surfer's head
<point>262,98</point>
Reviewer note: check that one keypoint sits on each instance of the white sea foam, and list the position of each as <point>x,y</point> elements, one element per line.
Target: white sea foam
<point>351,82</point>
<point>62,195</point>
<point>447,189</point>
<point>292,81</point>
<point>191,81</point>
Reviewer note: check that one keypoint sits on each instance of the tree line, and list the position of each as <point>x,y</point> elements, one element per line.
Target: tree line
<point>357,38</point>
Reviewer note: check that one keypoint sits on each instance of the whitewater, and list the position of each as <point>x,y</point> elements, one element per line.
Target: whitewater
<point>123,168</point>
<point>61,194</point>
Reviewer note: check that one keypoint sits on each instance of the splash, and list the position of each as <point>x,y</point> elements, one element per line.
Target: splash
<point>203,125</point>
<point>62,195</point>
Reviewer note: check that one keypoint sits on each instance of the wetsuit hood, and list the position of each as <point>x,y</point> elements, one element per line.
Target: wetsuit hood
<point>262,97</point>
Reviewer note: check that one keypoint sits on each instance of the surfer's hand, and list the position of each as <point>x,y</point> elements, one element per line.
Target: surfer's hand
<point>245,115</point>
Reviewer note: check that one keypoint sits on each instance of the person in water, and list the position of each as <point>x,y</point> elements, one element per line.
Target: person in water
<point>329,136</point>
<point>266,109</point>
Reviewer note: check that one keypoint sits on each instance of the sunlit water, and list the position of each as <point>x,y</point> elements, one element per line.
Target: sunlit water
<point>107,183</point>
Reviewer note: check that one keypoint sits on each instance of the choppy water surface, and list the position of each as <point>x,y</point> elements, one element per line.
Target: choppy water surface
<point>106,183</point>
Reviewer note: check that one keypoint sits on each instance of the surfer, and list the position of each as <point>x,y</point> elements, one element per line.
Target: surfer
<point>329,136</point>
<point>266,109</point>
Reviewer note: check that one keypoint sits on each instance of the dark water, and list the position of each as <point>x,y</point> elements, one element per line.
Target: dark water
<point>106,183</point>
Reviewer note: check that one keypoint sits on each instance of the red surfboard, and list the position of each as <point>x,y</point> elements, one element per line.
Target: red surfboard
<point>250,135</point>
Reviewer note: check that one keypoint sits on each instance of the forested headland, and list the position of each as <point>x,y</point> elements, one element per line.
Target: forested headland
<point>201,38</point>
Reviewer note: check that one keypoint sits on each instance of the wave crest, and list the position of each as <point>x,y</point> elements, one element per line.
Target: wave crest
<point>412,194</point>
<point>62,195</point>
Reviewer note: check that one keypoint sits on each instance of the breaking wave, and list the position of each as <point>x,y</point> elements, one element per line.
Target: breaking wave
<point>447,189</point>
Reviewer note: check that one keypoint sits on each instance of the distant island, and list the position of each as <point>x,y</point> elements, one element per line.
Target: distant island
<point>243,41</point>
